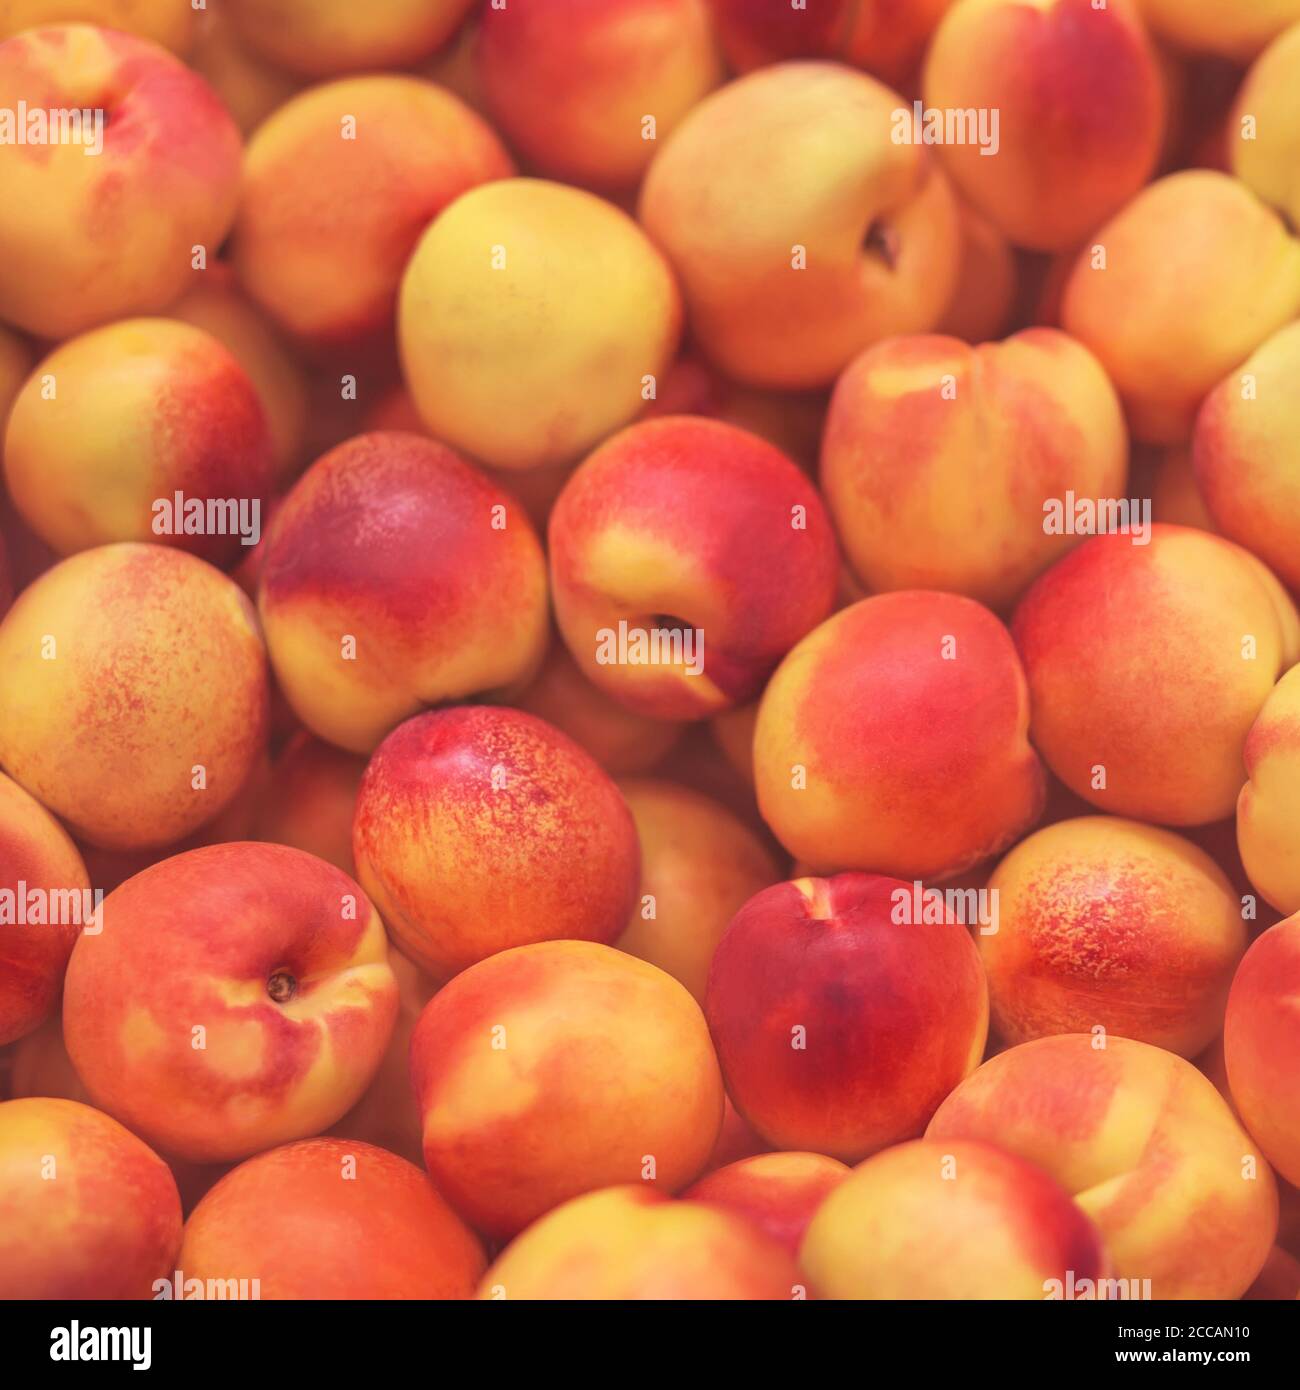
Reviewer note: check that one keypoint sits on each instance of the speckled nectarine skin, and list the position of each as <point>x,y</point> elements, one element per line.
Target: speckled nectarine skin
<point>481,828</point>
<point>133,693</point>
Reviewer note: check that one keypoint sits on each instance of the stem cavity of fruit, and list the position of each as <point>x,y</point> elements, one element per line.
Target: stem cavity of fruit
<point>281,986</point>
<point>882,240</point>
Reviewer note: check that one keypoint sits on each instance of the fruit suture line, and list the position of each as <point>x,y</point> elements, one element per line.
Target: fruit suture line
<point>648,649</point>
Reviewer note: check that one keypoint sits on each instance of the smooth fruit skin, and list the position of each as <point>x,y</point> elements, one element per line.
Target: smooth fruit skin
<point>179,1033</point>
<point>1246,455</point>
<point>571,86</point>
<point>35,853</point>
<point>397,576</point>
<point>778,1193</point>
<point>87,239</point>
<point>894,738</point>
<point>332,1219</point>
<point>1209,26</point>
<point>339,184</point>
<point>1194,260</point>
<point>142,410</point>
<point>699,865</point>
<point>133,694</point>
<point>948,1220</point>
<point>800,231</point>
<point>531,320</point>
<point>320,38</point>
<point>925,432</point>
<point>887,37</point>
<point>86,1209</point>
<point>689,523</point>
<point>480,828</point>
<point>1268,809</point>
<point>171,23</point>
<point>631,1242</point>
<point>1137,653</point>
<point>1261,1045</point>
<point>1105,922</point>
<point>1146,1146</point>
<point>1081,111</point>
<point>839,1029</point>
<point>551,1070</point>
<point>1266,123</point>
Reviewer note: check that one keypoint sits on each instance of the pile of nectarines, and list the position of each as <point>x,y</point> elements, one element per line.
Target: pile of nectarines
<point>649,649</point>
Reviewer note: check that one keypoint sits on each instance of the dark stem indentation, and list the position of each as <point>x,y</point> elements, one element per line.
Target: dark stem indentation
<point>882,241</point>
<point>281,986</point>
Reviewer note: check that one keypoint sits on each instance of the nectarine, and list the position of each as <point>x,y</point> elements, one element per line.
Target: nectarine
<point>779,1193</point>
<point>551,1070</point>
<point>687,557</point>
<point>584,89</point>
<point>1137,653</point>
<point>397,576</point>
<point>895,738</point>
<point>1177,290</point>
<point>261,1022</point>
<point>45,902</point>
<point>1080,109</point>
<point>335,1219</point>
<point>951,1219</point>
<point>157,422</point>
<point>801,231</point>
<point>532,320</point>
<point>1261,1045</point>
<point>477,829</point>
<point>631,1243</point>
<point>86,238</point>
<point>133,693</point>
<point>840,1022</point>
<point>1109,923</point>
<point>1186,1206</point>
<point>86,1209</point>
<point>940,461</point>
